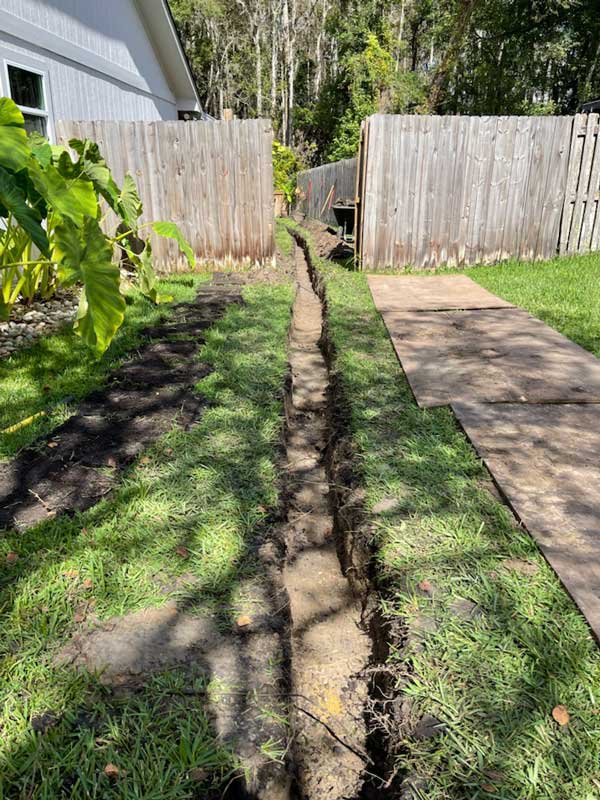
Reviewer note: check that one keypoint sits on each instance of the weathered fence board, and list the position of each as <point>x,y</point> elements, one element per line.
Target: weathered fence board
<point>580,229</point>
<point>320,187</point>
<point>214,179</point>
<point>467,190</point>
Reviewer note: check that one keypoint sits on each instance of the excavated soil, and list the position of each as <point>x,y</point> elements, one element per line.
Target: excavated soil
<point>325,242</point>
<point>79,463</point>
<point>330,649</point>
<point>305,669</point>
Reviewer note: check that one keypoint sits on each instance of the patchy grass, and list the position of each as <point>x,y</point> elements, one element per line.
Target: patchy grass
<point>283,240</point>
<point>564,292</point>
<point>492,680</point>
<point>212,490</point>
<point>58,370</point>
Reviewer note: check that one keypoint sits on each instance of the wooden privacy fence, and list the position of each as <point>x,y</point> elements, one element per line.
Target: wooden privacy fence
<point>214,179</point>
<point>580,230</point>
<point>320,187</point>
<point>461,190</point>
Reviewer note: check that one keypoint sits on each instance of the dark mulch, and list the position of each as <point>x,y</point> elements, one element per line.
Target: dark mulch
<point>79,463</point>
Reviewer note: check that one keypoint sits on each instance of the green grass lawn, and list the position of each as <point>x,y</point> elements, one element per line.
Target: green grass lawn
<point>492,680</point>
<point>212,490</point>
<point>564,293</point>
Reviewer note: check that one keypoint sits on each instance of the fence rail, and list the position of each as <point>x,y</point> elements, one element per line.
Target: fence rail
<point>580,230</point>
<point>214,179</point>
<point>321,186</point>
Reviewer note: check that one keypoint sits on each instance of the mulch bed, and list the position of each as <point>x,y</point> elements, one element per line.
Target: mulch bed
<point>80,461</point>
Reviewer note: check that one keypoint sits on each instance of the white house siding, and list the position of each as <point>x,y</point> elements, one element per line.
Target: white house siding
<point>98,59</point>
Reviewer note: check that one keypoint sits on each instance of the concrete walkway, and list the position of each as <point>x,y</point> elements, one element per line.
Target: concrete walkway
<point>527,398</point>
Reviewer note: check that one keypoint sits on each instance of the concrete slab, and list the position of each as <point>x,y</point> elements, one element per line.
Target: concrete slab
<point>430,293</point>
<point>546,460</point>
<point>490,355</point>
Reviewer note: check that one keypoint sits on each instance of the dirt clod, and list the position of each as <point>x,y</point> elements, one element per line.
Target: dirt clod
<point>427,727</point>
<point>44,721</point>
<point>465,610</point>
<point>112,772</point>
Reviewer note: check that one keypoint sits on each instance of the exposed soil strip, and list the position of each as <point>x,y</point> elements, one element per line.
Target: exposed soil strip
<point>330,650</point>
<point>80,461</point>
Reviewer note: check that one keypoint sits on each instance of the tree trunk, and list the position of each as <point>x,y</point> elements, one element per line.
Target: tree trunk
<point>287,34</point>
<point>259,91</point>
<point>319,48</point>
<point>290,114</point>
<point>451,55</point>
<point>274,58</point>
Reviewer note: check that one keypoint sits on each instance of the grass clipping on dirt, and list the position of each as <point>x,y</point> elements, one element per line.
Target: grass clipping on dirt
<point>183,524</point>
<point>493,643</point>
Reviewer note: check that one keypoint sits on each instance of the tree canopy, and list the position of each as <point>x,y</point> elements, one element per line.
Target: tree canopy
<point>317,67</point>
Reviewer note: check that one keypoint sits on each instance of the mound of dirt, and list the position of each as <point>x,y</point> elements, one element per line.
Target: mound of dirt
<point>326,243</point>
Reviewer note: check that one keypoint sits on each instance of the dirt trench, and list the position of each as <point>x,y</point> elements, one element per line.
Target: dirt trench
<point>332,650</point>
<point>307,672</point>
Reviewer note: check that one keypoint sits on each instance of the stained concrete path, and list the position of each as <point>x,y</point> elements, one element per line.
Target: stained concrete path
<point>529,401</point>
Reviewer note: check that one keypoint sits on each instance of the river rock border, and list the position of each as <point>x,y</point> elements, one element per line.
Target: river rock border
<point>29,322</point>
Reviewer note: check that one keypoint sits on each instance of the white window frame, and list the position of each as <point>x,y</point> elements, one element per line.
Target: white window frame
<point>45,113</point>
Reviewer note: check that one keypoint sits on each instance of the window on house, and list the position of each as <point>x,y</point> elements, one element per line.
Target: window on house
<point>27,90</point>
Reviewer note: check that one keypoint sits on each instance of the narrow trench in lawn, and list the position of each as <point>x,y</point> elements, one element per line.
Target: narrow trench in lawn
<point>318,648</point>
<point>334,636</point>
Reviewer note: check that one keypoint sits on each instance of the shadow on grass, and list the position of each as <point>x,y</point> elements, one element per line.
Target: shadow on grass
<point>183,526</point>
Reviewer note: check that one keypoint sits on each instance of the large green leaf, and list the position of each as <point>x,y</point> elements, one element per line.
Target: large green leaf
<point>171,231</point>
<point>147,281</point>
<point>86,256</point>
<point>93,167</point>
<point>14,148</point>
<point>73,199</point>
<point>41,148</point>
<point>14,200</point>
<point>100,176</point>
<point>129,202</point>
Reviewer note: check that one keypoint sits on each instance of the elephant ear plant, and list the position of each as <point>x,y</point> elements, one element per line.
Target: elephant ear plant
<point>53,221</point>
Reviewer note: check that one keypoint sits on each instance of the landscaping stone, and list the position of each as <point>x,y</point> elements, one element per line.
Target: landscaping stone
<point>27,323</point>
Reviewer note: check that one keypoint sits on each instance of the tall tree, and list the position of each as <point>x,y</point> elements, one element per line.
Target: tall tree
<point>317,67</point>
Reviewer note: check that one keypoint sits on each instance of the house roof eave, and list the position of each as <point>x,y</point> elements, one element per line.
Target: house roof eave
<point>160,26</point>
